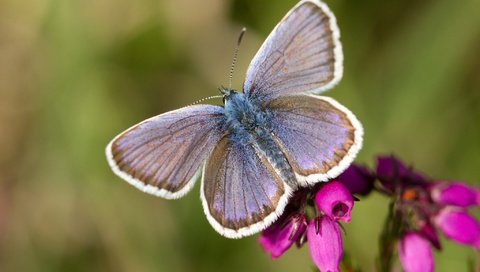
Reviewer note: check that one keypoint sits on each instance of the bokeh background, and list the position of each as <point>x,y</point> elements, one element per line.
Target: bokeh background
<point>75,73</point>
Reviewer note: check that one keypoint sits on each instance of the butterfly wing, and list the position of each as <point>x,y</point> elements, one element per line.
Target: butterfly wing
<point>319,137</point>
<point>162,155</point>
<point>241,192</point>
<point>302,54</point>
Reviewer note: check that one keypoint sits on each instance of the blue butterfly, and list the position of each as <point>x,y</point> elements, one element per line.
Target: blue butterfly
<point>264,143</point>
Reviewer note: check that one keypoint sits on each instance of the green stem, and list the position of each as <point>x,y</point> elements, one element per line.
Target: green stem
<point>388,239</point>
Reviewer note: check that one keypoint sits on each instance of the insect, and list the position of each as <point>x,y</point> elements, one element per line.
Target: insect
<point>264,143</point>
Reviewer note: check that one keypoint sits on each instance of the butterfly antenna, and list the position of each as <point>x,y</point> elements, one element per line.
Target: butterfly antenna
<point>239,41</point>
<point>206,98</point>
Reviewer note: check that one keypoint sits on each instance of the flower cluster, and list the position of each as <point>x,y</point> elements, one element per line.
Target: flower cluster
<point>423,207</point>
<point>313,215</point>
<point>420,208</point>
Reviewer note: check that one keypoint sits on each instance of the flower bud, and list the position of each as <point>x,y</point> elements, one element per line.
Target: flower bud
<point>280,236</point>
<point>456,194</point>
<point>325,243</point>
<point>335,201</point>
<point>415,253</point>
<point>391,169</point>
<point>357,179</point>
<point>459,226</point>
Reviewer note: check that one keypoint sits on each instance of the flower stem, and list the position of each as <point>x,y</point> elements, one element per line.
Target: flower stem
<point>388,238</point>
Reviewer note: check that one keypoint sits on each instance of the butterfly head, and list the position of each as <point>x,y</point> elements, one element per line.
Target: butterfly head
<point>227,93</point>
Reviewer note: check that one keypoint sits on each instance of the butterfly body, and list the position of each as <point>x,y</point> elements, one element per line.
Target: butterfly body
<point>264,143</point>
<point>249,124</point>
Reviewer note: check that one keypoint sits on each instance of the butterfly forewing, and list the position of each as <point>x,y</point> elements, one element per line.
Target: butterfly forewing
<point>302,54</point>
<point>162,154</point>
<point>319,136</point>
<point>241,192</point>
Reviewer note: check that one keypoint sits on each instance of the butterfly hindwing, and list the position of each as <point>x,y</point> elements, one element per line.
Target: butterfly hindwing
<point>163,155</point>
<point>303,54</point>
<point>319,136</point>
<point>241,192</point>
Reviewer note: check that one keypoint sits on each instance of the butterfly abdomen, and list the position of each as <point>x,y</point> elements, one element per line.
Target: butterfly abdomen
<point>275,156</point>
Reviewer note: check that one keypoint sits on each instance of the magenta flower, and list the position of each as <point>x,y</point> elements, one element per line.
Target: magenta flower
<point>391,171</point>
<point>280,236</point>
<point>427,206</point>
<point>421,209</point>
<point>335,201</point>
<point>325,243</point>
<point>412,248</point>
<point>459,226</point>
<point>358,180</point>
<point>456,194</point>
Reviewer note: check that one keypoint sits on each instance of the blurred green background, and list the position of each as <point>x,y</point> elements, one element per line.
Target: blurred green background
<point>74,73</point>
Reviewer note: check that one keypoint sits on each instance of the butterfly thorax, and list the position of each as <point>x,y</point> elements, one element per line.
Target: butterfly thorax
<point>248,124</point>
<point>242,114</point>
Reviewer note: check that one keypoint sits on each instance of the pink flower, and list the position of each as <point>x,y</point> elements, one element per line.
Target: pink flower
<point>428,206</point>
<point>415,253</point>
<point>280,236</point>
<point>459,226</point>
<point>358,180</point>
<point>391,172</point>
<point>456,194</point>
<point>335,201</point>
<point>325,243</point>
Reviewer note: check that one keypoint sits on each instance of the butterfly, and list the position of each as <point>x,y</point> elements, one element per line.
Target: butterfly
<point>264,143</point>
